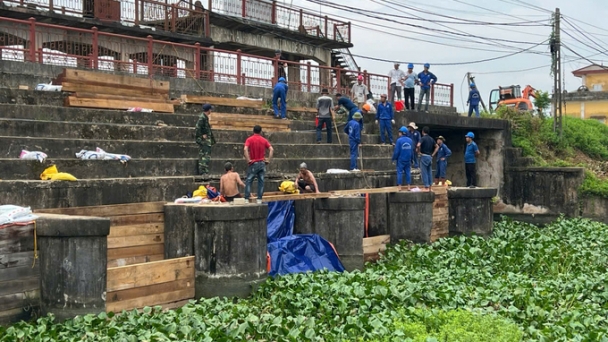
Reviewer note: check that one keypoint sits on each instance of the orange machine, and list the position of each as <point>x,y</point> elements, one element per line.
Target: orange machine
<point>513,97</point>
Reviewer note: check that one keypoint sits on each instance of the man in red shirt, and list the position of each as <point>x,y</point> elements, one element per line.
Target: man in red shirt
<point>255,149</point>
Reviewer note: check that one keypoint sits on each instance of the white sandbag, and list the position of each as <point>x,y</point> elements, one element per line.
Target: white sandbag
<point>33,155</point>
<point>189,200</point>
<point>123,158</point>
<point>10,214</point>
<point>48,87</point>
<point>337,171</point>
<point>248,98</point>
<point>90,155</point>
<point>140,109</point>
<point>372,107</point>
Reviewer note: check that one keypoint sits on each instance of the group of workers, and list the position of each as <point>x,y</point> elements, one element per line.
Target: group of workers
<point>408,80</point>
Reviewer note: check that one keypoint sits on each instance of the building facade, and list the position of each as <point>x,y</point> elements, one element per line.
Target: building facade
<point>590,101</point>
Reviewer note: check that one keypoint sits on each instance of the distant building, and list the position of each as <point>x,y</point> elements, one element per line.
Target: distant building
<point>590,101</point>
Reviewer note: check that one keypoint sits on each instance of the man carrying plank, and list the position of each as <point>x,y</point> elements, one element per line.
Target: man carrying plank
<point>204,140</point>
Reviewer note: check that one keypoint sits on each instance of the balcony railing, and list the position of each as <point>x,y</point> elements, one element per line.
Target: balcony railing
<point>31,41</point>
<point>273,13</point>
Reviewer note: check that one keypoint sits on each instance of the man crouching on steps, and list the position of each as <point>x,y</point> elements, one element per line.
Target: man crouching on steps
<point>230,183</point>
<point>306,180</point>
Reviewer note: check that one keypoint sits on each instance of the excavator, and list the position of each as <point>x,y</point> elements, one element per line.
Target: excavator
<point>514,97</point>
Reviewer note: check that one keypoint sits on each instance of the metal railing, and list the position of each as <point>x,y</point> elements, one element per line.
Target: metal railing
<point>31,41</point>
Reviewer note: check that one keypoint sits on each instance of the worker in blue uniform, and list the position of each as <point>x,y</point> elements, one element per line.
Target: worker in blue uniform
<point>350,107</point>
<point>353,129</point>
<point>443,153</point>
<point>280,92</point>
<point>402,156</point>
<point>473,100</point>
<point>384,115</point>
<point>415,136</point>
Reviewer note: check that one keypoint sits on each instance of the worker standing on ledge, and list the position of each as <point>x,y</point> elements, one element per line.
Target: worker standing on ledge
<point>396,77</point>
<point>384,115</point>
<point>443,153</point>
<point>306,181</point>
<point>280,92</point>
<point>415,136</point>
<point>204,140</point>
<point>255,149</point>
<point>428,148</point>
<point>353,129</point>
<point>473,100</point>
<point>359,92</point>
<point>426,79</point>
<point>470,160</point>
<point>409,90</point>
<point>402,156</point>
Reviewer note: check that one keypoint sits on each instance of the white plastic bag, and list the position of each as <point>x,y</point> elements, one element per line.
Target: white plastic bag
<point>48,87</point>
<point>14,214</point>
<point>139,109</point>
<point>33,155</point>
<point>372,107</point>
<point>337,171</point>
<point>189,200</point>
<point>90,155</point>
<point>123,158</point>
<point>248,98</point>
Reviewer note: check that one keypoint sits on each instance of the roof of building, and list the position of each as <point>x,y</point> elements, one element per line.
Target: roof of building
<point>591,69</point>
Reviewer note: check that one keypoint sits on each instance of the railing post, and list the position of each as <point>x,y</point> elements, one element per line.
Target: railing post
<point>273,13</point>
<point>32,51</point>
<point>136,12</point>
<point>276,70</point>
<point>301,18</point>
<point>150,55</point>
<point>40,56</point>
<point>451,94</point>
<point>338,80</point>
<point>51,6</point>
<point>210,4</point>
<point>244,8</point>
<point>348,32</point>
<point>238,66</point>
<point>95,48</point>
<point>135,66</point>
<point>308,76</point>
<point>197,61</point>
<point>366,80</point>
<point>325,27</point>
<point>432,94</point>
<point>173,15</point>
<point>207,25</point>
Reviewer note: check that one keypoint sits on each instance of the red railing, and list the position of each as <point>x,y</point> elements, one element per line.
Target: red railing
<point>185,17</point>
<point>28,40</point>
<point>271,12</point>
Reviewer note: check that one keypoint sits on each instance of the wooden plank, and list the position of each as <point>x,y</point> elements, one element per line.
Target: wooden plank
<point>109,210</point>
<point>232,128</point>
<point>374,249</point>
<point>290,197</point>
<point>137,229</point>
<point>111,90</point>
<point>22,244</point>
<point>124,220</point>
<point>153,300</point>
<point>19,259</point>
<point>440,211</point>
<point>302,109</point>
<point>145,291</point>
<point>15,232</point>
<point>375,240</point>
<point>222,101</point>
<point>19,300</point>
<point>156,272</point>
<point>19,285</point>
<point>14,315</point>
<point>367,191</point>
<point>93,77</point>
<point>18,272</point>
<point>135,260</point>
<point>118,104</point>
<point>124,97</point>
<point>128,252</point>
<point>136,240</point>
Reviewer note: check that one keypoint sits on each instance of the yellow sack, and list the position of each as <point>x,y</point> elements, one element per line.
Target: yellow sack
<point>46,174</point>
<point>51,173</point>
<point>200,192</point>
<point>289,187</point>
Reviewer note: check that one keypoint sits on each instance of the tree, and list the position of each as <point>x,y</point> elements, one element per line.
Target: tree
<point>542,101</point>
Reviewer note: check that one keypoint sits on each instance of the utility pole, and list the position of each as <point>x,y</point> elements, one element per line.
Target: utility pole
<point>556,56</point>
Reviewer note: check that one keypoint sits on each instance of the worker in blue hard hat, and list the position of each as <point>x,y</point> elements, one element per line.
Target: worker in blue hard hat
<point>402,157</point>
<point>408,87</point>
<point>471,153</point>
<point>353,129</point>
<point>426,79</point>
<point>280,92</point>
<point>473,100</point>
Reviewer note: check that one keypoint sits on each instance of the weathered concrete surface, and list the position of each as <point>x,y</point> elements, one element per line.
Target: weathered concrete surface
<point>73,255</point>
<point>340,221</point>
<point>31,97</point>
<point>595,208</point>
<point>304,222</point>
<point>179,231</point>
<point>555,189</point>
<point>410,216</point>
<point>450,121</point>
<point>229,249</point>
<point>471,211</point>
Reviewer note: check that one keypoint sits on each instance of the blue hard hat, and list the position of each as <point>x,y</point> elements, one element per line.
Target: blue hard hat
<point>427,65</point>
<point>470,135</point>
<point>403,129</point>
<point>410,66</point>
<point>282,79</point>
<point>472,85</point>
<point>207,107</point>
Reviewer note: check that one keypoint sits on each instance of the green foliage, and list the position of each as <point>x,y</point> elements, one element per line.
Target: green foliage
<point>592,185</point>
<point>542,101</point>
<point>550,282</point>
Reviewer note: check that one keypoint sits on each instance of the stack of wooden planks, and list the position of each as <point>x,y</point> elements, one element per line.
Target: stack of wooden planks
<point>441,215</point>
<point>222,101</point>
<point>374,246</point>
<point>92,89</point>
<point>240,122</point>
<point>19,281</point>
<point>136,231</point>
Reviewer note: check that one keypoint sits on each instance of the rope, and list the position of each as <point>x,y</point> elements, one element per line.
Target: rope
<point>35,246</point>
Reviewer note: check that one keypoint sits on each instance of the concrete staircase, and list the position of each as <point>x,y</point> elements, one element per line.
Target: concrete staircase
<point>163,150</point>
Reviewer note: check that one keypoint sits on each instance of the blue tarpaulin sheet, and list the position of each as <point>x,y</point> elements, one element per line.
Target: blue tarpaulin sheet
<point>280,221</point>
<point>302,253</point>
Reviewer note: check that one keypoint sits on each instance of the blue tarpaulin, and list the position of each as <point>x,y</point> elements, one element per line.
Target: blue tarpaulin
<point>280,221</point>
<point>302,253</point>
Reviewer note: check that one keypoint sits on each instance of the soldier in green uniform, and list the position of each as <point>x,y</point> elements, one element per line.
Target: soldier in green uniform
<point>204,140</point>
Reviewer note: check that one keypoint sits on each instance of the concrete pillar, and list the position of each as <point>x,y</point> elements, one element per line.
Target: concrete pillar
<point>471,211</point>
<point>179,230</point>
<point>410,216</point>
<point>378,214</point>
<point>73,264</point>
<point>341,221</point>
<point>305,216</point>
<point>229,249</point>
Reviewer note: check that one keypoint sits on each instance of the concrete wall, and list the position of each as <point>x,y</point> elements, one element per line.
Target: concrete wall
<point>595,208</point>
<point>595,109</point>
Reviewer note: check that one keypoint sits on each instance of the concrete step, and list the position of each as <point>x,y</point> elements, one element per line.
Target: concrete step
<point>76,130</point>
<point>10,147</point>
<point>16,169</point>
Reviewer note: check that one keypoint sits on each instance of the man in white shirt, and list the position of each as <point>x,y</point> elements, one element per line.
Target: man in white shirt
<point>396,78</point>
<point>359,92</point>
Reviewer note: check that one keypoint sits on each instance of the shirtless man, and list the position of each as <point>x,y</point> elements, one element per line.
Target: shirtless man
<point>306,180</point>
<point>229,184</point>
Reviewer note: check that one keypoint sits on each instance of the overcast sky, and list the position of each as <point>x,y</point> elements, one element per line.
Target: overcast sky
<point>403,43</point>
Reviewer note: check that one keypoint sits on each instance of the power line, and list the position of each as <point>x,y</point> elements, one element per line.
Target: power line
<point>581,32</point>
